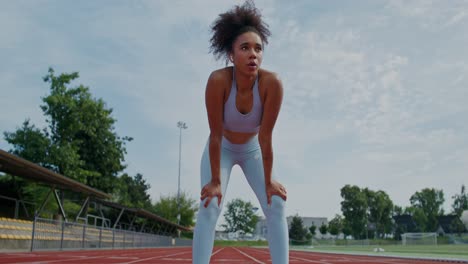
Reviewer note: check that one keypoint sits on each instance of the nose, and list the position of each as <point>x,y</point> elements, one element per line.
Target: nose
<point>253,54</point>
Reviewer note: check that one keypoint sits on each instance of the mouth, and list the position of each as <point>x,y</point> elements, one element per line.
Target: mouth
<point>252,65</point>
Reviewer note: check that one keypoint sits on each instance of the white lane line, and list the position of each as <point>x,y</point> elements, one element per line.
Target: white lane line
<point>216,252</point>
<point>343,257</point>
<point>19,255</point>
<point>52,261</point>
<point>124,258</point>
<point>309,260</point>
<point>292,258</point>
<point>262,251</point>
<point>158,257</point>
<point>178,259</point>
<point>80,258</point>
<point>250,257</point>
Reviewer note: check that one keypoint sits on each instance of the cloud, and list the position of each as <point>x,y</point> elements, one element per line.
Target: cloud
<point>431,15</point>
<point>374,94</point>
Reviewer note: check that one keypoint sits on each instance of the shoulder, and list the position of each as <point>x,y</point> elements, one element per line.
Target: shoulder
<point>270,82</point>
<point>218,84</point>
<point>221,75</point>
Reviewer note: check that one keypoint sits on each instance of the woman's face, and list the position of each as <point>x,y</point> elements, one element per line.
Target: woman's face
<point>247,53</point>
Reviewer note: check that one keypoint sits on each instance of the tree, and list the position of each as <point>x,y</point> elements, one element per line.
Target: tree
<point>30,143</point>
<point>240,217</point>
<point>419,218</point>
<point>430,202</point>
<point>312,230</point>
<point>133,191</point>
<point>380,208</point>
<point>397,210</point>
<point>335,226</point>
<point>166,207</point>
<point>460,202</point>
<point>297,231</point>
<point>323,229</point>
<point>79,141</point>
<point>86,124</point>
<point>346,229</point>
<point>354,208</point>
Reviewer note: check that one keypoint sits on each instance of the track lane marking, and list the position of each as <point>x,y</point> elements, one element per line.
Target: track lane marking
<point>52,261</point>
<point>96,254</point>
<point>217,252</point>
<point>250,257</point>
<point>309,260</point>
<point>230,261</point>
<point>342,257</point>
<point>158,257</point>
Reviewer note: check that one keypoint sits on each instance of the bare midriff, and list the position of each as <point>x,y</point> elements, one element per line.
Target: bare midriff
<point>238,137</point>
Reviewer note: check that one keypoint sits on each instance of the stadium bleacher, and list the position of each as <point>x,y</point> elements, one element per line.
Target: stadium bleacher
<point>43,233</point>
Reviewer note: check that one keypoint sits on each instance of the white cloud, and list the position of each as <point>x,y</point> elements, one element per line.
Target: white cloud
<point>375,95</point>
<point>431,15</point>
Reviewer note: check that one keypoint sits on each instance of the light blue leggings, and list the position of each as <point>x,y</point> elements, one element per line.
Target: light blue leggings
<point>249,157</point>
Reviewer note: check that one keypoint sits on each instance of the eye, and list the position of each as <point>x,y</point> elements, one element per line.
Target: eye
<point>244,48</point>
<point>258,49</point>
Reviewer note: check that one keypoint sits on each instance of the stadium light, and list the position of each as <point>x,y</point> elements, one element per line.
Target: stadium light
<point>181,125</point>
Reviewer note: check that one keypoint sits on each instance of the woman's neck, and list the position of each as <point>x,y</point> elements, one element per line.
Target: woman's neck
<point>244,82</point>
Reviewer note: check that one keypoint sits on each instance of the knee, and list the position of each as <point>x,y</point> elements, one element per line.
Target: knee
<point>277,206</point>
<point>211,212</point>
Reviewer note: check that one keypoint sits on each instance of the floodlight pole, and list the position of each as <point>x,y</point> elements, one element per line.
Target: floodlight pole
<point>181,125</point>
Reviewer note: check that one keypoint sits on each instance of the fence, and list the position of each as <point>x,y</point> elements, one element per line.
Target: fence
<point>458,238</point>
<point>51,234</point>
<point>352,242</point>
<point>22,209</point>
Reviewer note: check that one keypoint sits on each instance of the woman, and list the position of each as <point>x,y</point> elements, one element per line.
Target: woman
<point>243,102</point>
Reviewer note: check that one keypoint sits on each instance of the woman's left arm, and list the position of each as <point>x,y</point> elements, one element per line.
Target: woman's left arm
<point>271,108</point>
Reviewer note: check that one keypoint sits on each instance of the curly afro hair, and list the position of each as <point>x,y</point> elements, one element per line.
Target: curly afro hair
<point>229,25</point>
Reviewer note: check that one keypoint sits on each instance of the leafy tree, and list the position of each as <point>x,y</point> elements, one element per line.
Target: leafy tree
<point>346,229</point>
<point>419,217</point>
<point>79,141</point>
<point>335,226</point>
<point>166,207</point>
<point>323,229</point>
<point>133,191</point>
<point>30,143</point>
<point>460,202</point>
<point>74,116</point>
<point>240,216</point>
<point>397,210</point>
<point>297,231</point>
<point>380,208</point>
<point>354,208</point>
<point>430,202</point>
<point>312,230</point>
<point>363,208</point>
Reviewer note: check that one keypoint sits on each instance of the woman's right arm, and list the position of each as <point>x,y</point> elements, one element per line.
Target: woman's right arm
<point>214,100</point>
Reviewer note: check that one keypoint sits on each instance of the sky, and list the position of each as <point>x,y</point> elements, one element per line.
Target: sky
<point>375,92</point>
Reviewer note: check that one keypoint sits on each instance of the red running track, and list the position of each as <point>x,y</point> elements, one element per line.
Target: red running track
<point>224,255</point>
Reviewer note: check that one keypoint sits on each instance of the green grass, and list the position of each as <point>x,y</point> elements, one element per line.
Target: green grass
<point>430,251</point>
<point>228,243</point>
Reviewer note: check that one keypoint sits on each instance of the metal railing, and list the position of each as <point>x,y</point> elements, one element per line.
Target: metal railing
<point>95,220</point>
<point>50,234</point>
<point>20,203</point>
